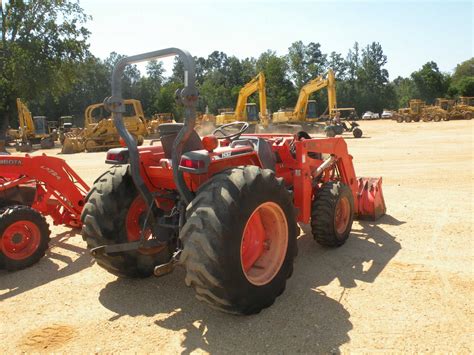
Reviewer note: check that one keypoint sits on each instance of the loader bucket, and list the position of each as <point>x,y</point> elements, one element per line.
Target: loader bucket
<point>370,201</point>
<point>72,144</point>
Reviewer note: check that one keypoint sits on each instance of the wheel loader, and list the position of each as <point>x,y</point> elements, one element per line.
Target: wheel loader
<point>32,130</point>
<point>225,207</point>
<point>99,132</point>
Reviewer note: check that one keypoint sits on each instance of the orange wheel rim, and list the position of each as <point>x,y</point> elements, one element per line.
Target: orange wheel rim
<point>20,240</point>
<point>342,215</point>
<point>134,223</point>
<point>264,243</point>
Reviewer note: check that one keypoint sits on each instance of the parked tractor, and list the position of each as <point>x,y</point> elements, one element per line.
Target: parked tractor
<point>225,207</point>
<point>31,188</point>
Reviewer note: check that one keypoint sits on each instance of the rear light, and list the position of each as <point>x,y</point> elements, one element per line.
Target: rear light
<point>117,156</point>
<point>192,164</point>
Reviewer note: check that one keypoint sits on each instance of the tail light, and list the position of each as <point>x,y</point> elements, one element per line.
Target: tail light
<point>191,164</point>
<point>117,156</point>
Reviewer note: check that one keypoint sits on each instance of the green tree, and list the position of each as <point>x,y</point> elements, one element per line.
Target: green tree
<point>280,90</point>
<point>462,79</point>
<point>41,44</point>
<point>305,62</point>
<point>430,82</point>
<point>405,90</point>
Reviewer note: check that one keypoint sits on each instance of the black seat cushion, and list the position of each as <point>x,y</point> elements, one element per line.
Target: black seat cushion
<point>168,133</point>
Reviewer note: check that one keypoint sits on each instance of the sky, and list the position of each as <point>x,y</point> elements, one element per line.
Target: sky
<point>411,33</point>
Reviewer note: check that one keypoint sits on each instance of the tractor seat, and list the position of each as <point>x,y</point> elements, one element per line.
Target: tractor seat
<point>262,147</point>
<point>168,132</point>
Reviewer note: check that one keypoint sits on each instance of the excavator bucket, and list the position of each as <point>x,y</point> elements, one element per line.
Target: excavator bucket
<point>72,144</point>
<point>370,201</point>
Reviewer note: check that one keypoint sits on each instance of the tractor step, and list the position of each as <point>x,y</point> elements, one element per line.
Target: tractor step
<point>166,268</point>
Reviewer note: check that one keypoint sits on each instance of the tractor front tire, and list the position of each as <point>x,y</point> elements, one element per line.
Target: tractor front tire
<point>112,215</point>
<point>357,133</point>
<point>24,235</point>
<point>240,240</point>
<point>332,214</point>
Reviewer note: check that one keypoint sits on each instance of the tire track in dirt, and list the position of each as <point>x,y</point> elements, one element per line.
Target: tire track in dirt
<point>47,338</point>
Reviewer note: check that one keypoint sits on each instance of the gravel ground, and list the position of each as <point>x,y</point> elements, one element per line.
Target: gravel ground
<point>403,283</point>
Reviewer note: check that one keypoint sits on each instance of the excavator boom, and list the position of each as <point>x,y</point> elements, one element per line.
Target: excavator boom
<point>299,112</point>
<point>240,114</point>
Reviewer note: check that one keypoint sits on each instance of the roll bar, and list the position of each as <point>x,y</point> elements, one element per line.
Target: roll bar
<point>186,96</point>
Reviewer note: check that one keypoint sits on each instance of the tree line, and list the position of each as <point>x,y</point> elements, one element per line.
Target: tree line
<point>45,60</point>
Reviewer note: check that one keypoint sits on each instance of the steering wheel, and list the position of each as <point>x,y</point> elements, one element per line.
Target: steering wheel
<point>222,134</point>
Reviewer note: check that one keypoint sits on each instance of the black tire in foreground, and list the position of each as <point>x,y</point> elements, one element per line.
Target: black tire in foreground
<point>217,239</point>
<point>332,214</point>
<point>106,218</point>
<point>24,235</point>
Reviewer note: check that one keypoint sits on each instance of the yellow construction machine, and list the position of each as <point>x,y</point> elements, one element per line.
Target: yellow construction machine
<point>205,123</point>
<point>303,116</point>
<point>157,119</point>
<point>463,109</point>
<point>248,111</point>
<point>413,112</point>
<point>99,132</point>
<point>32,130</point>
<point>439,111</point>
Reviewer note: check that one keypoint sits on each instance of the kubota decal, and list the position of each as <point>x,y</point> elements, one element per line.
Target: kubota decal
<point>11,162</point>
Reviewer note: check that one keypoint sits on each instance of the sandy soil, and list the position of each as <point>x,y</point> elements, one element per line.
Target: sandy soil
<point>402,283</point>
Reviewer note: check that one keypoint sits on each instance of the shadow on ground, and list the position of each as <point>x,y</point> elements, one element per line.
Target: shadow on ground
<point>47,269</point>
<point>303,319</point>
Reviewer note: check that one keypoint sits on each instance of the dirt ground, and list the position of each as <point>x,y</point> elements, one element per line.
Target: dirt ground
<point>403,283</point>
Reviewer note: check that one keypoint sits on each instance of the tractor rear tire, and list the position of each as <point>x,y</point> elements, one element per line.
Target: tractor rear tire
<point>24,237</point>
<point>332,214</point>
<point>468,116</point>
<point>357,133</point>
<point>105,221</point>
<point>408,119</point>
<point>219,261</point>
<point>399,119</point>
<point>437,118</point>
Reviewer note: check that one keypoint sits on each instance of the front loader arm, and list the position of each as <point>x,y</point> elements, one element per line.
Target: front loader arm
<point>53,176</point>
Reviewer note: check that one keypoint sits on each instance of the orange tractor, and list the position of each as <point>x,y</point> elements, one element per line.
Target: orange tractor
<point>225,207</point>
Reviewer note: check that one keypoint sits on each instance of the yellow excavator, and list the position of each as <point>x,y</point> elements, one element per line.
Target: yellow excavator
<point>302,117</point>
<point>32,130</point>
<point>248,111</point>
<point>100,134</point>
